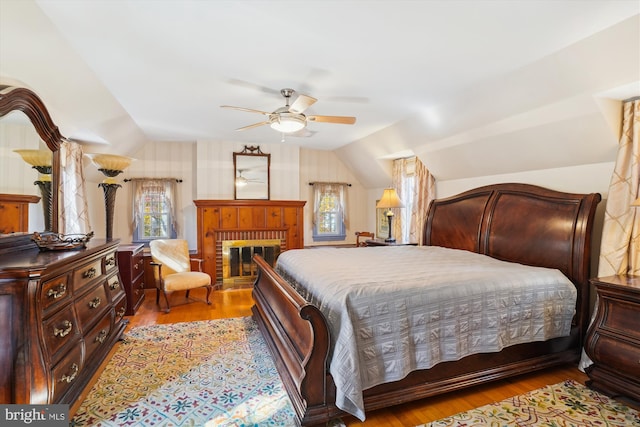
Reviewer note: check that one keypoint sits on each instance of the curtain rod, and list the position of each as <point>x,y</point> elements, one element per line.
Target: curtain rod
<point>331,183</point>
<point>148,179</point>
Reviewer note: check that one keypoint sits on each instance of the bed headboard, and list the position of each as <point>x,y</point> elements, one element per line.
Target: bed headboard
<point>520,223</point>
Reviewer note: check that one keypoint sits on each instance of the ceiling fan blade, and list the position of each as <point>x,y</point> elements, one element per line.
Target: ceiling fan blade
<point>333,119</point>
<point>255,125</point>
<point>301,103</point>
<point>249,110</point>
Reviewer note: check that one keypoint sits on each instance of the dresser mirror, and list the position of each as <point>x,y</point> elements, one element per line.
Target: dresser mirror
<point>24,117</point>
<point>251,172</point>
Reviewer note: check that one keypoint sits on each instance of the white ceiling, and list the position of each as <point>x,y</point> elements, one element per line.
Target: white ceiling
<point>165,67</point>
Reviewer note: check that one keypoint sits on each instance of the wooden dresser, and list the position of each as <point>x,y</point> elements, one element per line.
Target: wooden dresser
<point>613,339</point>
<point>131,266</point>
<point>14,212</point>
<point>61,312</point>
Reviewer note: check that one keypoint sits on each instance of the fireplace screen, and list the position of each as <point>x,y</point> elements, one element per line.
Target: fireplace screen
<point>238,268</point>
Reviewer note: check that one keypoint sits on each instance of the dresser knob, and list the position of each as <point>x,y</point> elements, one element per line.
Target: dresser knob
<point>68,378</point>
<point>58,292</point>
<point>95,302</point>
<point>67,327</point>
<point>114,285</point>
<point>101,336</point>
<point>90,273</point>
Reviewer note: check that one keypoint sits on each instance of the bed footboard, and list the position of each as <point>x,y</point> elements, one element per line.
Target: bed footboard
<point>298,338</point>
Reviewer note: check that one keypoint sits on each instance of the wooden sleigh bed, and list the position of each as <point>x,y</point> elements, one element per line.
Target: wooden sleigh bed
<point>511,222</point>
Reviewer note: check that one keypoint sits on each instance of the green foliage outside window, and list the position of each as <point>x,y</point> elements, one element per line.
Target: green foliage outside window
<point>328,214</point>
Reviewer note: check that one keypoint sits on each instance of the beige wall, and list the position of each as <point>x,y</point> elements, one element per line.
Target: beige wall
<point>206,168</point>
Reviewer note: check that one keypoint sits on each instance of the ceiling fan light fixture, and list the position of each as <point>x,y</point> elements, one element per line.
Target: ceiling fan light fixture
<point>287,122</point>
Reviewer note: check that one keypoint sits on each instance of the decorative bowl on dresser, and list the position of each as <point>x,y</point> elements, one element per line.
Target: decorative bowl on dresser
<point>613,338</point>
<point>131,266</point>
<point>61,312</point>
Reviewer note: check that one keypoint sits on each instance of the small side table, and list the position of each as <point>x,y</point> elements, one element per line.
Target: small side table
<point>613,338</point>
<point>381,242</point>
<point>131,265</point>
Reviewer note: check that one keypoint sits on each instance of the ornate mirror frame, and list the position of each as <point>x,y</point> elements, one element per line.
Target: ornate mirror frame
<point>251,171</point>
<point>21,99</point>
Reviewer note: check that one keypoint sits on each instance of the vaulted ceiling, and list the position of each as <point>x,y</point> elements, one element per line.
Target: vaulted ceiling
<point>449,81</point>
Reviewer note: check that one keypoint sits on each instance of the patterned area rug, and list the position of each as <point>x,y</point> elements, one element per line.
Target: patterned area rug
<point>206,373</point>
<point>567,404</point>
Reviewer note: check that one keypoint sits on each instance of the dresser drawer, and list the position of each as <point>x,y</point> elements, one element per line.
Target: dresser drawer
<point>92,306</point>
<point>110,262</point>
<point>114,287</point>
<point>60,330</point>
<point>55,291</point>
<point>86,274</point>
<point>66,372</point>
<point>97,336</point>
<point>120,308</point>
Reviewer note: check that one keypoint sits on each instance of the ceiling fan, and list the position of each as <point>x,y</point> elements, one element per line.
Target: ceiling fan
<point>291,118</point>
<point>241,181</point>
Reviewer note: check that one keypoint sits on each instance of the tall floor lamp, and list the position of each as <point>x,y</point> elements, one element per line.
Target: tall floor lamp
<point>388,201</point>
<point>40,160</point>
<point>111,166</point>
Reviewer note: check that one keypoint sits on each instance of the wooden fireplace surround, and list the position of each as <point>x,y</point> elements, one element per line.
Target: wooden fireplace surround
<point>220,220</point>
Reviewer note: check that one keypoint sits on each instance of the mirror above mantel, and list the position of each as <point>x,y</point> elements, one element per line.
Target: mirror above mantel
<point>251,172</point>
<point>32,129</point>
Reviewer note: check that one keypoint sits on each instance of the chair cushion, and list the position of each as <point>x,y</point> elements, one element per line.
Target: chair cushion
<point>186,280</point>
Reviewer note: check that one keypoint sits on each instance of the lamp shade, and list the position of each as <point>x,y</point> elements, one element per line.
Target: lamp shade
<point>110,161</point>
<point>636,203</point>
<point>390,199</point>
<point>36,157</point>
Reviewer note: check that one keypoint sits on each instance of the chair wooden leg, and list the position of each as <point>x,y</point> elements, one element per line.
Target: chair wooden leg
<point>208,293</point>
<point>166,299</point>
<point>187,296</point>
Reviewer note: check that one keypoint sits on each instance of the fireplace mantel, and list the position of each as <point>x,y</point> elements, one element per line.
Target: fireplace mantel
<point>220,220</point>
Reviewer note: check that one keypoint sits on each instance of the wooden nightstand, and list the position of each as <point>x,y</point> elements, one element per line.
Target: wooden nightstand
<point>131,265</point>
<point>381,242</point>
<point>613,338</point>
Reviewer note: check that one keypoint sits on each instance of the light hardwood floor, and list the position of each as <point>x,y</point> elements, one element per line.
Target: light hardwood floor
<point>237,303</point>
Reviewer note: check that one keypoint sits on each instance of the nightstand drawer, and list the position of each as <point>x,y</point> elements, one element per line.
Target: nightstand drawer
<point>620,317</point>
<point>618,355</point>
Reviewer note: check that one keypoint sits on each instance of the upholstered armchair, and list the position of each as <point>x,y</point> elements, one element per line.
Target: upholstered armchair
<point>172,269</point>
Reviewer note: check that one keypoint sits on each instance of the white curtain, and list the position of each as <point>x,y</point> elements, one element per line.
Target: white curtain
<point>424,191</point>
<point>337,190</point>
<point>620,247</point>
<point>74,210</point>
<point>416,188</point>
<point>166,188</point>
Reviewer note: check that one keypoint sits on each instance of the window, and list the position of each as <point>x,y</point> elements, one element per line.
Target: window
<point>329,211</point>
<point>154,209</point>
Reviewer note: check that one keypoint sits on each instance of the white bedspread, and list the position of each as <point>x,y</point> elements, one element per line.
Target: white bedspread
<point>392,310</point>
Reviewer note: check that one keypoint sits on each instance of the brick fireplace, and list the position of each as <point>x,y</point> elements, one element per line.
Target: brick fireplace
<point>245,220</point>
